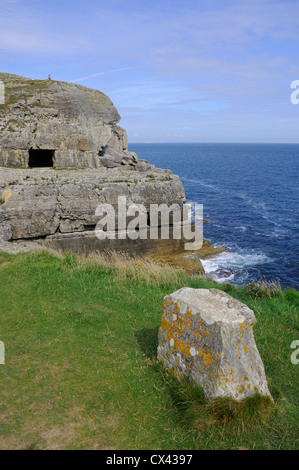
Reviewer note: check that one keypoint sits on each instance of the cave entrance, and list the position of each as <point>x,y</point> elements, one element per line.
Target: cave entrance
<point>41,158</point>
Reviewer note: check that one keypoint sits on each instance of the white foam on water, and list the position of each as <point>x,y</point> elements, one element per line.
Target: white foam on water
<point>201,183</point>
<point>225,266</point>
<point>242,228</point>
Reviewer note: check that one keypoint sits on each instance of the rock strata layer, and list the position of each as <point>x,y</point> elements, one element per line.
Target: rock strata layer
<point>41,202</point>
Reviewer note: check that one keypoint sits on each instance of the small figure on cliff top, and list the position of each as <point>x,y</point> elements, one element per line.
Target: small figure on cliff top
<point>49,77</point>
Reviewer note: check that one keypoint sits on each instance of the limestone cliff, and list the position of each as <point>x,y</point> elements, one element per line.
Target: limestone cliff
<point>35,203</point>
<point>75,123</point>
<point>61,155</point>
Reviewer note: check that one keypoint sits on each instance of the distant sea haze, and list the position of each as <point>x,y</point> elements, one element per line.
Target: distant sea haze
<point>250,194</point>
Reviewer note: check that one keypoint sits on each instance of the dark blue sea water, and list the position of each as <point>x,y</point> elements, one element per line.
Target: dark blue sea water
<point>251,199</point>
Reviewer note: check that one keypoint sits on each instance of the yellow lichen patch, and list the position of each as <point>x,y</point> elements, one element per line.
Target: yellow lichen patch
<point>208,359</point>
<point>165,324</point>
<point>187,349</point>
<point>198,333</point>
<point>245,349</point>
<point>176,308</point>
<point>200,352</point>
<point>241,336</point>
<point>180,346</point>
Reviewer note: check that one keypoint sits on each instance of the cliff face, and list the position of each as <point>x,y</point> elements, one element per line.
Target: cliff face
<point>73,122</point>
<point>74,130</point>
<point>41,202</point>
<point>61,155</point>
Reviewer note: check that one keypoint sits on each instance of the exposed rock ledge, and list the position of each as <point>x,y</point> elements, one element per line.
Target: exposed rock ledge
<point>56,208</point>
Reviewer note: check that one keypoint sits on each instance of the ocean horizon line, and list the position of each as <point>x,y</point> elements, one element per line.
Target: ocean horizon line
<point>215,143</point>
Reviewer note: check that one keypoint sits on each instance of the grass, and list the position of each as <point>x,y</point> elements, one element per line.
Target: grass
<point>197,412</point>
<point>263,289</point>
<point>81,369</point>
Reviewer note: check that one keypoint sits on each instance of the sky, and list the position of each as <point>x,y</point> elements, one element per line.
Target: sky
<point>177,71</point>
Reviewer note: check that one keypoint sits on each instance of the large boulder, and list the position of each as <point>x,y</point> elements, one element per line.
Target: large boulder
<point>207,335</point>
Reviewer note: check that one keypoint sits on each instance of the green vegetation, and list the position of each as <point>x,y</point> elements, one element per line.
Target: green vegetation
<point>20,88</point>
<point>81,369</point>
<point>39,105</point>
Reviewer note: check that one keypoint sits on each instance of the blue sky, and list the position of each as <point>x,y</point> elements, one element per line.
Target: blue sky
<point>177,71</point>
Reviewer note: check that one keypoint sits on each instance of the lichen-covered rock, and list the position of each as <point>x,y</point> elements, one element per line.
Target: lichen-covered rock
<point>207,335</point>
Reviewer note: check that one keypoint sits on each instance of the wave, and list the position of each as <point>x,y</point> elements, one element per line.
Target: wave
<point>229,265</point>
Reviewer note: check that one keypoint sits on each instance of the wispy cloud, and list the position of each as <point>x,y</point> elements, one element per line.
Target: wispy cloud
<point>88,77</point>
<point>99,74</point>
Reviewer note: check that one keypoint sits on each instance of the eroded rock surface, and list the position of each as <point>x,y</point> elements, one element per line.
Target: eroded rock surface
<point>76,125</point>
<point>41,202</point>
<point>207,335</point>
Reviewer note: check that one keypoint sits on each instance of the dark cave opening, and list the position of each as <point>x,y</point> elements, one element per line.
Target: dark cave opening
<point>41,158</point>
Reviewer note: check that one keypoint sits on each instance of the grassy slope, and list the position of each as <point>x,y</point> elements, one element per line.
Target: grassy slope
<point>80,366</point>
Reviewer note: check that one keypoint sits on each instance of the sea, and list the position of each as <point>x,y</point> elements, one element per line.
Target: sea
<point>250,198</point>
